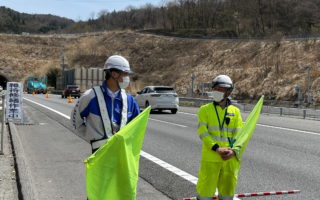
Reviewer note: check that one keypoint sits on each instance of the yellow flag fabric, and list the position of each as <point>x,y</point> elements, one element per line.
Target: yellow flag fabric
<point>243,137</point>
<point>112,171</point>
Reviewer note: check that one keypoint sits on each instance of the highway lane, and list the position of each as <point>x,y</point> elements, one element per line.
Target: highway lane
<point>53,160</point>
<point>276,159</point>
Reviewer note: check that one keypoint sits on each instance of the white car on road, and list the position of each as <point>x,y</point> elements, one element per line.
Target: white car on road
<point>159,98</point>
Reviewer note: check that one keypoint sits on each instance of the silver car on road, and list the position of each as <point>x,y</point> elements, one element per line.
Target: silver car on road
<point>159,98</point>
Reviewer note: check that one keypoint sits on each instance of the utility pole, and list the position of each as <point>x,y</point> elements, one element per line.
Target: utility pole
<point>298,100</point>
<point>308,67</point>
<point>63,65</point>
<point>192,83</point>
<point>318,64</point>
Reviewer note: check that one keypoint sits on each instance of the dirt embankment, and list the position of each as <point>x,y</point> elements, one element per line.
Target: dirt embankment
<point>272,68</point>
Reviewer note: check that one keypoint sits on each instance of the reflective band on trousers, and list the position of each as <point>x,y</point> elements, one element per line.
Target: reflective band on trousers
<point>203,198</point>
<point>216,138</point>
<point>210,198</point>
<point>97,144</point>
<point>221,197</point>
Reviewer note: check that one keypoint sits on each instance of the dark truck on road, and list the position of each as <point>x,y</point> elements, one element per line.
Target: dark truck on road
<point>71,90</point>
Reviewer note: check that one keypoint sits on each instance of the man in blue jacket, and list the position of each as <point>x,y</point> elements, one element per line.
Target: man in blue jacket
<point>103,110</point>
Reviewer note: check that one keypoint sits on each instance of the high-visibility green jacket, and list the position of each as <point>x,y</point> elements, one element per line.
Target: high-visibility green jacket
<point>211,133</point>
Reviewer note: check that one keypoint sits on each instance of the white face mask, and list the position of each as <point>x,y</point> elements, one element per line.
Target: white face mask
<point>217,96</point>
<point>125,82</point>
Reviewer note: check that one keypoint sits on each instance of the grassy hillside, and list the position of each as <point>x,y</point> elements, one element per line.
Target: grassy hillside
<point>14,22</point>
<point>272,68</point>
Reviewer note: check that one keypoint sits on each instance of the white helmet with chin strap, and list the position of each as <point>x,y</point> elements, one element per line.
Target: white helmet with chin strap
<point>117,62</point>
<point>222,81</point>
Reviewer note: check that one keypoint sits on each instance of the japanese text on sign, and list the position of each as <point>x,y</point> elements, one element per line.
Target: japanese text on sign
<point>14,100</point>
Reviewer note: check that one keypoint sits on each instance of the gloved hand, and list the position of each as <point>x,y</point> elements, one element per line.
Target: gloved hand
<point>225,152</point>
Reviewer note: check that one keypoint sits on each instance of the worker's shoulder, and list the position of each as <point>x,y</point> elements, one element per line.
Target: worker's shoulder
<point>206,106</point>
<point>87,95</point>
<point>131,98</point>
<point>129,95</point>
<point>234,107</point>
<point>209,106</point>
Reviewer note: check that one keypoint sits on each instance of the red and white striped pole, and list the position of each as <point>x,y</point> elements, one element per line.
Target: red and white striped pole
<point>255,194</point>
<point>267,193</point>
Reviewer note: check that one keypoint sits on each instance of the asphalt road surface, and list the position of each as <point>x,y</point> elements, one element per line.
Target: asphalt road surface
<point>283,154</point>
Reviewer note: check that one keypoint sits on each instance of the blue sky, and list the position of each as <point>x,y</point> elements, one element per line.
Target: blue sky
<point>74,9</point>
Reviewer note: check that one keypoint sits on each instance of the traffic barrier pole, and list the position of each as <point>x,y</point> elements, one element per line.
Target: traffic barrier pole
<point>255,194</point>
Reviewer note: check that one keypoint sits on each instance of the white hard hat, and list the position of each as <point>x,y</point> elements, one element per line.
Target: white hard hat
<point>222,81</point>
<point>118,62</point>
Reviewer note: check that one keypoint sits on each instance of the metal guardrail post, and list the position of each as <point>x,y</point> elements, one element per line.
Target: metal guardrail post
<point>281,110</point>
<point>2,124</point>
<point>304,114</point>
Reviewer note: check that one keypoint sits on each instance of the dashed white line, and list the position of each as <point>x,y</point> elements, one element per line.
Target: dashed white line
<point>157,120</point>
<point>188,113</point>
<point>289,129</point>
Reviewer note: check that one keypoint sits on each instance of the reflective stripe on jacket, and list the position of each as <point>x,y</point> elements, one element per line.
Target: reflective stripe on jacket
<point>86,116</point>
<point>210,133</point>
<point>109,127</point>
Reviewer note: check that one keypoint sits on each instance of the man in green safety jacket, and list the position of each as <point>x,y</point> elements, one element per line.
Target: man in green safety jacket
<point>219,123</point>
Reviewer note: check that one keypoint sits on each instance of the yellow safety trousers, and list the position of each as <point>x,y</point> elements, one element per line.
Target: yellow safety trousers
<point>218,175</point>
<point>215,173</point>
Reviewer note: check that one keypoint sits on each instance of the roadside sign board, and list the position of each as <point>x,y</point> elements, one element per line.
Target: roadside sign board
<point>14,101</point>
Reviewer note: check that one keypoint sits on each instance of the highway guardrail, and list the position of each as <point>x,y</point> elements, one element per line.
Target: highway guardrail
<point>304,113</point>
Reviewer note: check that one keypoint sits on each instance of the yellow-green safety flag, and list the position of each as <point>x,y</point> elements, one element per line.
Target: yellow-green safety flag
<point>243,138</point>
<point>112,171</point>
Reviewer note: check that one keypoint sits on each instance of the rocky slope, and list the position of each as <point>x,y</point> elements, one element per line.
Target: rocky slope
<point>272,68</point>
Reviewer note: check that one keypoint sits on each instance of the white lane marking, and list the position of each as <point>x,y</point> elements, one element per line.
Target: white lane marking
<point>150,157</point>
<point>157,120</point>
<point>269,126</point>
<point>187,113</point>
<point>60,113</point>
<point>69,117</point>
<point>290,129</point>
<point>169,167</point>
